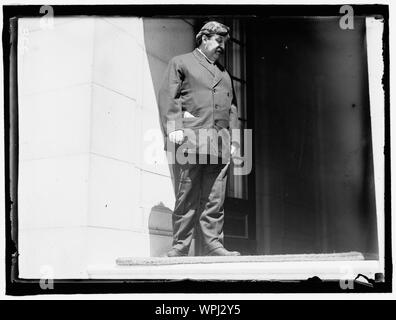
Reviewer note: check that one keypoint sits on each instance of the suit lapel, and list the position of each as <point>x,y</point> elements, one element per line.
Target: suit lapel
<point>218,76</point>
<point>202,60</point>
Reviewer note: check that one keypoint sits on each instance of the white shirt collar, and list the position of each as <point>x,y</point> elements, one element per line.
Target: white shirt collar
<point>210,61</point>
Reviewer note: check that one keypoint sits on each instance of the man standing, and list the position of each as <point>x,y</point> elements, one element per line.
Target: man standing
<point>197,112</point>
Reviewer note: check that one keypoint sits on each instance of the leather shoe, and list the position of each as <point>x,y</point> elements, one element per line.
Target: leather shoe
<point>175,253</point>
<point>223,252</point>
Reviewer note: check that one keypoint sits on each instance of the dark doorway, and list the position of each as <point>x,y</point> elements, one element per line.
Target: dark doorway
<point>312,137</point>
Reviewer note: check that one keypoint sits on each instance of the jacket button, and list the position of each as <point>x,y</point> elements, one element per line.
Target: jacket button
<point>216,106</point>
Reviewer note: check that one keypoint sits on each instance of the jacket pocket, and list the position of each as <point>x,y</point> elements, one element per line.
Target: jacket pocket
<point>191,122</point>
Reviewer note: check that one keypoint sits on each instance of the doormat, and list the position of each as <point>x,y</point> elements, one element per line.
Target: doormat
<point>138,261</point>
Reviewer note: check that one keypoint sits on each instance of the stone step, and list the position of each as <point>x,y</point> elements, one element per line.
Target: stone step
<point>279,267</point>
<point>136,261</point>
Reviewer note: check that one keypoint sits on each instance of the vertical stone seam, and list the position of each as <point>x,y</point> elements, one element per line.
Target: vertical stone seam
<point>90,139</point>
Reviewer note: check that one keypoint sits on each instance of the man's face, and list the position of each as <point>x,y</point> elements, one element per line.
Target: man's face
<point>214,46</point>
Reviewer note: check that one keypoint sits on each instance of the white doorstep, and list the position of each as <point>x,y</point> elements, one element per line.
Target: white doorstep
<point>276,270</point>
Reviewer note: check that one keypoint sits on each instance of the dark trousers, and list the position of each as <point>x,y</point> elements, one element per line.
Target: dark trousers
<point>200,192</point>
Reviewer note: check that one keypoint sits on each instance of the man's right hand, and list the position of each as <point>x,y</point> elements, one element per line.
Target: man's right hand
<point>176,136</point>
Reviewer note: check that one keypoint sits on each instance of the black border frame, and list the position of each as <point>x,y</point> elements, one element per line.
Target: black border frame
<point>17,286</point>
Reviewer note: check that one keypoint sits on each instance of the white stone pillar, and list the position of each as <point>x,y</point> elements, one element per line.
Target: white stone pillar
<point>54,105</point>
<point>88,185</point>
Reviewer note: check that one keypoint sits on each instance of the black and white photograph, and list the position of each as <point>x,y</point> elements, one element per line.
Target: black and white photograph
<point>197,148</point>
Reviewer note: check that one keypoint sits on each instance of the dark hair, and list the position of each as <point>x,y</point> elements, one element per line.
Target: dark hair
<point>211,28</point>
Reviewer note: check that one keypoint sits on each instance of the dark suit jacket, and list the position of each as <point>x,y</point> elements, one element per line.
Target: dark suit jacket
<point>205,90</point>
